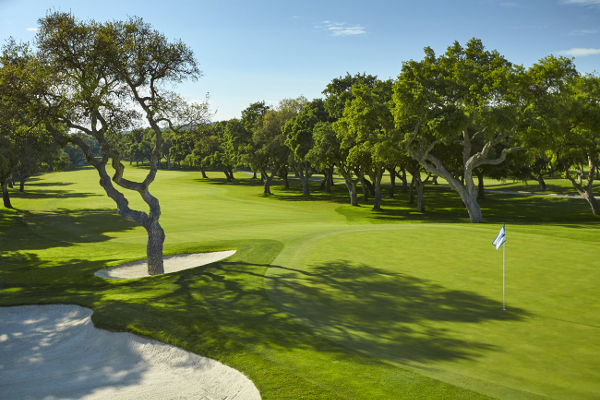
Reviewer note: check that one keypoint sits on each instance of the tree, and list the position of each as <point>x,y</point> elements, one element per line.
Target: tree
<point>338,94</point>
<point>367,128</point>
<point>98,73</point>
<point>464,94</point>
<point>575,128</point>
<point>298,133</point>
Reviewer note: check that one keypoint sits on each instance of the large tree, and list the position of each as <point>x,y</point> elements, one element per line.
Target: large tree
<point>98,76</point>
<point>575,134</point>
<point>468,93</point>
<point>298,133</point>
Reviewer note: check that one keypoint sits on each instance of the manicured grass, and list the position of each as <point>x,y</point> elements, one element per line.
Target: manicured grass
<point>323,300</point>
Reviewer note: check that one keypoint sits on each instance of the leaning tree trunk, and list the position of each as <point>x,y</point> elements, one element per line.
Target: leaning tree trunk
<point>541,182</point>
<point>352,189</point>
<point>203,172</point>
<point>5,195</point>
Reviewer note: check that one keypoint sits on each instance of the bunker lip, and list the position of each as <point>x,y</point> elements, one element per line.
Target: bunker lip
<point>54,351</point>
<point>176,263</point>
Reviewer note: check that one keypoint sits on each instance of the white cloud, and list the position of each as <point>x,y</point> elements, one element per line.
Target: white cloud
<point>581,32</point>
<point>579,52</point>
<point>583,2</point>
<point>342,28</point>
<point>33,29</point>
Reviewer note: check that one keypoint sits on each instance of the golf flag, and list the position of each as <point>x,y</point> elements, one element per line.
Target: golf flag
<point>500,239</point>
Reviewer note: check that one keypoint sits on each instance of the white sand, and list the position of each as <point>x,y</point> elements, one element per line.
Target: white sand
<point>55,352</point>
<point>179,262</point>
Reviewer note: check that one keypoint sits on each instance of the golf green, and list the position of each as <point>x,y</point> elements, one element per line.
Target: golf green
<point>429,297</point>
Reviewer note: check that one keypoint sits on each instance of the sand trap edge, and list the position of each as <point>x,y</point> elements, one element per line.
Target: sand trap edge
<point>179,262</point>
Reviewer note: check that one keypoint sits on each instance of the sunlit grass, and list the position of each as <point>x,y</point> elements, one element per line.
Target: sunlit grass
<point>324,300</point>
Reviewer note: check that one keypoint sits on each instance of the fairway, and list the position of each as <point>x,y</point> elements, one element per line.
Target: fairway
<point>326,301</point>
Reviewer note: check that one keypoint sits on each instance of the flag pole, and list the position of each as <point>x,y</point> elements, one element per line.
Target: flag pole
<point>504,276</point>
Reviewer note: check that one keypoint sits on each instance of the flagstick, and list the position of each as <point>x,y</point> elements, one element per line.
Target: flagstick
<point>503,276</point>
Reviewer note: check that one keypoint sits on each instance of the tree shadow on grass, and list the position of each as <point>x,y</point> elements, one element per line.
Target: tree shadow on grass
<point>58,228</point>
<point>391,316</point>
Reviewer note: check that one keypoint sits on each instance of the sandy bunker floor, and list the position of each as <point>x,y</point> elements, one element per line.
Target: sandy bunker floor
<point>54,351</point>
<point>179,262</point>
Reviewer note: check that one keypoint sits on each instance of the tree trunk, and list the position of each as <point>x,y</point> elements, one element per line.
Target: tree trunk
<point>392,172</point>
<point>323,181</point>
<point>264,176</point>
<point>22,184</point>
<point>305,188</point>
<point>5,195</point>
<point>254,176</point>
<point>154,248</point>
<point>169,162</point>
<point>286,183</point>
<point>231,173</point>
<point>420,186</point>
<point>541,181</point>
<point>203,172</point>
<point>411,194</point>
<point>480,187</point>
<point>267,187</point>
<point>329,180</point>
<point>352,189</point>
<point>434,180</point>
<point>402,177</point>
<point>376,174</point>
<point>365,190</point>
<point>10,183</point>
<point>227,175</point>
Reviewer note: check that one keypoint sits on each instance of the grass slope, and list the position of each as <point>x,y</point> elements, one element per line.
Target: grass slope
<point>323,300</point>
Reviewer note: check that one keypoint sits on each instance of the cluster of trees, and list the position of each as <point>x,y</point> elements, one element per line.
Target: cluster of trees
<point>456,115</point>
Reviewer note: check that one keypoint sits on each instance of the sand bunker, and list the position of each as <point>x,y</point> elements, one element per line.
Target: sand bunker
<point>179,262</point>
<point>54,351</point>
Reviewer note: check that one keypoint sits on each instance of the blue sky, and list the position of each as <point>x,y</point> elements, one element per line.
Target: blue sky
<point>270,50</point>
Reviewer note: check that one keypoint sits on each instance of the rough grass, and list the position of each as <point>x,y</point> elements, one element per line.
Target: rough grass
<point>323,300</point>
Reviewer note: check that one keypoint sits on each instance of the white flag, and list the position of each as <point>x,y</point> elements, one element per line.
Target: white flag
<point>500,239</point>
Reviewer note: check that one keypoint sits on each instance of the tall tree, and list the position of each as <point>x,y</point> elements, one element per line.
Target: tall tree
<point>99,73</point>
